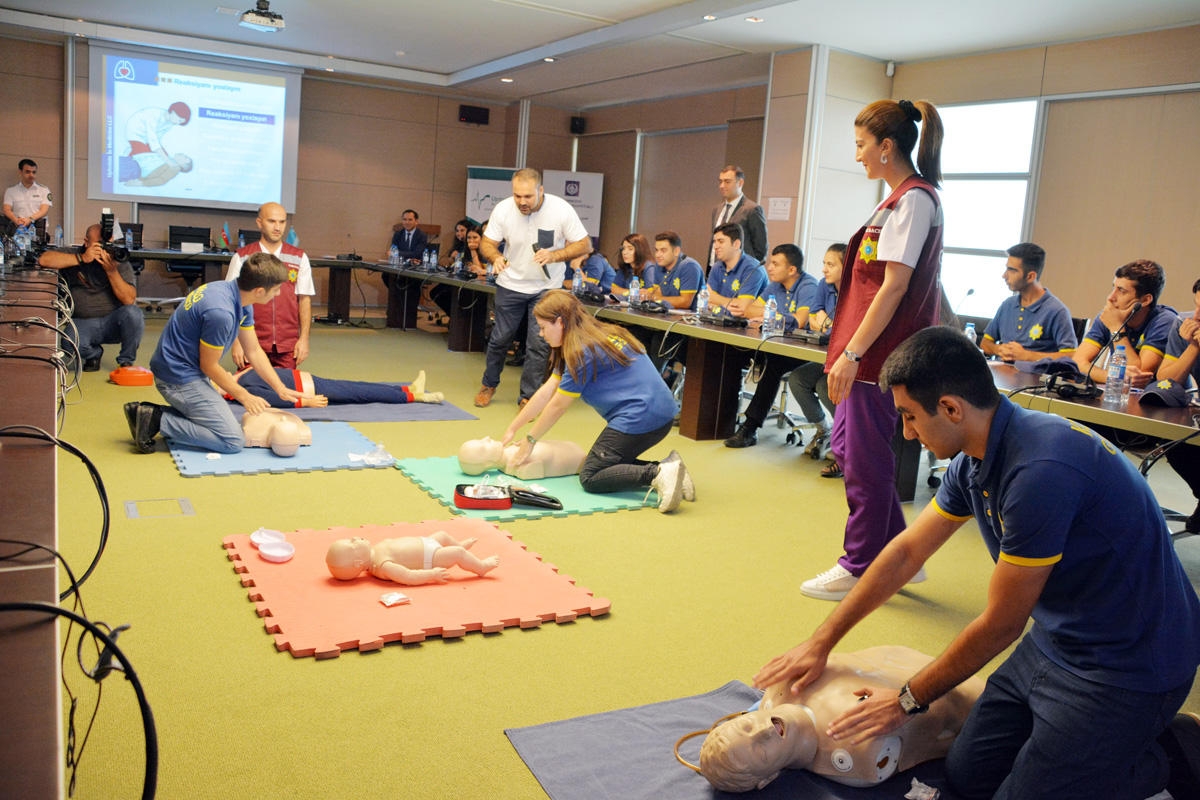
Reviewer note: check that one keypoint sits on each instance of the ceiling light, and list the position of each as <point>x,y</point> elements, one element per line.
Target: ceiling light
<point>260,18</point>
<point>755,19</point>
<point>549,59</point>
<point>709,17</point>
<point>506,80</point>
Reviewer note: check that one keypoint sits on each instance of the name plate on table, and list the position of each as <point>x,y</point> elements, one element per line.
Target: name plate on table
<point>191,247</point>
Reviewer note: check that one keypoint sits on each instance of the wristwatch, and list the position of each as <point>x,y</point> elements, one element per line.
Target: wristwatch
<point>909,704</point>
<point>530,439</point>
<point>852,356</point>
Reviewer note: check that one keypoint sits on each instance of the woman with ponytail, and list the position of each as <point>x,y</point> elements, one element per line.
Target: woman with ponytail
<point>889,290</point>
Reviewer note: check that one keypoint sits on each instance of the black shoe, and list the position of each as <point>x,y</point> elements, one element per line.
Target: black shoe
<point>745,437</point>
<point>515,360</point>
<point>91,364</point>
<point>149,417</point>
<point>1181,741</point>
<point>131,410</point>
<point>1192,525</point>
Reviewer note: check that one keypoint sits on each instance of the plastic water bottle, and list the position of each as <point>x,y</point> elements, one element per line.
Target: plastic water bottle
<point>22,239</point>
<point>58,236</point>
<point>128,239</point>
<point>770,313</point>
<point>1116,387</point>
<point>635,291</point>
<point>969,331</point>
<point>491,271</point>
<point>458,261</point>
<point>702,300</point>
<point>577,282</point>
<point>394,256</point>
<point>241,240</point>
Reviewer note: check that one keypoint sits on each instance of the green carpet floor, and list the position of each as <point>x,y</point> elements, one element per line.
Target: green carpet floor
<point>699,597</point>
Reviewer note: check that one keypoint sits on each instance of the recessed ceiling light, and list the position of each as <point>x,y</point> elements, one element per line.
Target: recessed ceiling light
<point>506,80</point>
<point>755,19</point>
<point>709,17</point>
<point>329,69</point>
<point>549,59</point>
<point>399,54</point>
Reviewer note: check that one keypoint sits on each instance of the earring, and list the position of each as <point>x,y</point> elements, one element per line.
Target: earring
<point>883,159</point>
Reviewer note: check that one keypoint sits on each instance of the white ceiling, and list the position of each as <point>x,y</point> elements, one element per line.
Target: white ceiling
<point>606,51</point>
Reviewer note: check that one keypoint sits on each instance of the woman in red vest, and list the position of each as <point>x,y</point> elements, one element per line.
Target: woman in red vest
<point>889,290</point>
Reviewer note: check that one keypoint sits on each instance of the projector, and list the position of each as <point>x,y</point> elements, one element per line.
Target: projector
<point>261,18</point>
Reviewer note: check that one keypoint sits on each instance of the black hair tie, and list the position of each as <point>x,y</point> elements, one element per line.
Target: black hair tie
<point>910,111</point>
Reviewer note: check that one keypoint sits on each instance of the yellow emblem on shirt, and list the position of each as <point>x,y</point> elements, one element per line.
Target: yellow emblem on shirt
<point>194,297</point>
<point>675,283</point>
<point>736,285</point>
<point>293,274</point>
<point>1035,333</point>
<point>866,251</point>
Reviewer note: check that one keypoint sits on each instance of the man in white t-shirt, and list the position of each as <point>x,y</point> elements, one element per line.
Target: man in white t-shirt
<point>28,201</point>
<point>282,324</point>
<point>541,233</point>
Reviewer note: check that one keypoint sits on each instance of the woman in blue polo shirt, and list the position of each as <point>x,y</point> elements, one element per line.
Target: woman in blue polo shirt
<point>606,366</point>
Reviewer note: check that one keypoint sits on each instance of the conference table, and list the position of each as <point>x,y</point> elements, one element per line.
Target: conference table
<point>30,734</point>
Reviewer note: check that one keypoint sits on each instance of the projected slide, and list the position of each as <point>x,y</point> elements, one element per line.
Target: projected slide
<point>173,130</point>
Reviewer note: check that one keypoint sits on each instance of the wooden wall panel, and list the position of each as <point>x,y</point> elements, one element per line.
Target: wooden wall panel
<point>677,199</point>
<point>612,154</point>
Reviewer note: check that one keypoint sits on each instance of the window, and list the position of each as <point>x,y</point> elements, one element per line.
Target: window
<point>986,157</point>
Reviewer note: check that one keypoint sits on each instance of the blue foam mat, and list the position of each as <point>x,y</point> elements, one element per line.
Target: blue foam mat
<point>439,476</point>
<point>629,754</point>
<point>333,442</point>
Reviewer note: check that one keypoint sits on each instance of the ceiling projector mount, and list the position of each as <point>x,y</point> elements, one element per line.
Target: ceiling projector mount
<point>260,18</point>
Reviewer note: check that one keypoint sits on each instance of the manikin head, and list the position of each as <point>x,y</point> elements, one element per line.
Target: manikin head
<point>750,750</point>
<point>477,456</point>
<point>348,558</point>
<point>284,438</point>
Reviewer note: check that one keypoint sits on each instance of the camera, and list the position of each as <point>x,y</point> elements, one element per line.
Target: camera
<point>119,252</point>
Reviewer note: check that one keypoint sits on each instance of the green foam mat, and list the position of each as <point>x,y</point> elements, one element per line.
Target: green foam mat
<point>439,476</point>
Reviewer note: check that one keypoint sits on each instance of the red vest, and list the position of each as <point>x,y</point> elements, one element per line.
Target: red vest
<point>861,281</point>
<point>277,323</point>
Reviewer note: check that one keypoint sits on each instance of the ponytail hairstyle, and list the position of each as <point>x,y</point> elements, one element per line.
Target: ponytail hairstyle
<point>889,119</point>
<point>583,332</point>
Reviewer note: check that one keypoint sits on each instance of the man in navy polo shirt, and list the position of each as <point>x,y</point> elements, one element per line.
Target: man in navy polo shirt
<point>1032,324</point>
<point>1085,706</point>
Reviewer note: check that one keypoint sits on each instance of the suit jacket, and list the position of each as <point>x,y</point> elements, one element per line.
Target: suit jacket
<point>753,220</point>
<point>415,250</point>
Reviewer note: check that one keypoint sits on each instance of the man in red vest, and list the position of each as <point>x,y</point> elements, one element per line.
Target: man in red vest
<point>283,324</point>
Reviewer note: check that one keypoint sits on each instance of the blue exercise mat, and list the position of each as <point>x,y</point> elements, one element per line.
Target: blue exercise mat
<point>333,444</point>
<point>630,754</point>
<point>439,476</point>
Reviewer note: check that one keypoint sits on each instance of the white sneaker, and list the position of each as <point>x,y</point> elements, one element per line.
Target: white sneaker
<point>919,577</point>
<point>688,488</point>
<point>832,584</point>
<point>669,485</point>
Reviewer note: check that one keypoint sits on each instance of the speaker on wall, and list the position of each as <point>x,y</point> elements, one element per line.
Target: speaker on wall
<point>476,115</point>
<point>578,125</point>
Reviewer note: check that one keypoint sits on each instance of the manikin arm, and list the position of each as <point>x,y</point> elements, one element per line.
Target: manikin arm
<point>411,577</point>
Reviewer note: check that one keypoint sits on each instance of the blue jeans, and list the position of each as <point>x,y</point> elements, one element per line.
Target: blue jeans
<point>123,325</point>
<point>1039,731</point>
<point>199,417</point>
<point>510,308</point>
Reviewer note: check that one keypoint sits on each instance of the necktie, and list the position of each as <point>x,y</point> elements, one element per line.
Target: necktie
<point>408,238</point>
<point>728,213</point>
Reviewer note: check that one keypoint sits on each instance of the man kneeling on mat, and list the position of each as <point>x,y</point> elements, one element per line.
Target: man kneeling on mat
<point>410,560</point>
<point>317,392</point>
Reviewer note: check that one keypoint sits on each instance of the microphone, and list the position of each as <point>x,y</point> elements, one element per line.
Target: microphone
<point>1090,388</point>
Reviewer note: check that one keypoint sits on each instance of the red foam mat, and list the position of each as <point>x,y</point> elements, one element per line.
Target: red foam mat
<point>310,613</point>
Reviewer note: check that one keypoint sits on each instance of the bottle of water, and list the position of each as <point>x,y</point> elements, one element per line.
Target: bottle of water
<point>458,261</point>
<point>58,236</point>
<point>702,300</point>
<point>394,256</point>
<point>969,331</point>
<point>491,271</point>
<point>577,281</point>
<point>635,290</point>
<point>241,240</point>
<point>22,239</point>
<point>770,313</point>
<point>1116,387</point>
<point>128,239</point>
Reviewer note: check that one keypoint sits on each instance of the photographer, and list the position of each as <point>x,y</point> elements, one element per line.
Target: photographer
<point>104,295</point>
